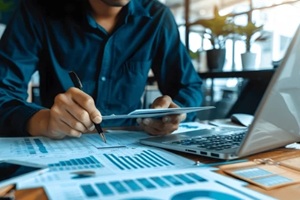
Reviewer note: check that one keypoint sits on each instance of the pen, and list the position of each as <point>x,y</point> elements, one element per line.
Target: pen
<point>77,83</point>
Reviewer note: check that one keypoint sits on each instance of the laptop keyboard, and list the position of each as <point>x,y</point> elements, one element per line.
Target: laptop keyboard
<point>215,142</point>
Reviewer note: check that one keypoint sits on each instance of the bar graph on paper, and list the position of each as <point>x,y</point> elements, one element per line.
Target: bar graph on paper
<point>142,160</point>
<point>121,159</point>
<point>45,147</point>
<point>89,162</point>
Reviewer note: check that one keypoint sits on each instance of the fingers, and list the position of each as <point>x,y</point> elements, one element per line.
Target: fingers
<point>73,113</point>
<point>174,119</point>
<point>156,126</point>
<point>166,124</point>
<point>86,103</point>
<point>162,102</point>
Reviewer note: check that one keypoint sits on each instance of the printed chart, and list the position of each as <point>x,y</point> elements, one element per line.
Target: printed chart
<point>145,159</point>
<point>89,162</point>
<point>188,184</point>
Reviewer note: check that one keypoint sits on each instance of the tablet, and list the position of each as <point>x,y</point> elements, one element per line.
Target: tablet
<point>12,171</point>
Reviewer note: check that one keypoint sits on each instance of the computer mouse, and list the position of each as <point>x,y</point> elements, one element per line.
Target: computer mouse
<point>242,119</point>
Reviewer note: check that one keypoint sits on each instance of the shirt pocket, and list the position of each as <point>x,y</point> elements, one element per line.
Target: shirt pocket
<point>130,83</point>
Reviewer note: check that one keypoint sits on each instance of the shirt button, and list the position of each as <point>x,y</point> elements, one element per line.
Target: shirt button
<point>103,78</point>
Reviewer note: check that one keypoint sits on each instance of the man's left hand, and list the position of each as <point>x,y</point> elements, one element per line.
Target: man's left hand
<point>164,125</point>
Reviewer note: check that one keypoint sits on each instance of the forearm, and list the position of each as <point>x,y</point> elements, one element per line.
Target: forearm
<point>14,117</point>
<point>37,125</point>
<point>189,97</point>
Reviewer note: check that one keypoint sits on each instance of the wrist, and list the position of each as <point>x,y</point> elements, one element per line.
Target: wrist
<point>37,125</point>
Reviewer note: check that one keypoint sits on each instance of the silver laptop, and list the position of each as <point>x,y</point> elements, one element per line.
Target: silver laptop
<point>276,121</point>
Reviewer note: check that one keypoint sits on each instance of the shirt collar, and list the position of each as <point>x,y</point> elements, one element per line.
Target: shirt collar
<point>133,9</point>
<point>91,20</point>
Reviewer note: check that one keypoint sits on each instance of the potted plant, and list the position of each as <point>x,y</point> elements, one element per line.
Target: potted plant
<point>249,32</point>
<point>217,30</point>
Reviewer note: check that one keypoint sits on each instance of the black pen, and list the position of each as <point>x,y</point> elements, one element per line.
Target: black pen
<point>77,83</point>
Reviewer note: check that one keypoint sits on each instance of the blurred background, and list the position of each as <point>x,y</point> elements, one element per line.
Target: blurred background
<point>233,86</point>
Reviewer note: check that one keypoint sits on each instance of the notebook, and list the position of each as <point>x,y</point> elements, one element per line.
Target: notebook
<point>276,121</point>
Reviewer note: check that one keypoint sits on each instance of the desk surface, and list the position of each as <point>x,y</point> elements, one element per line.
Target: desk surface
<point>287,192</point>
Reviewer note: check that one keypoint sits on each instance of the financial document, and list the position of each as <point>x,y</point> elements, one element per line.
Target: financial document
<point>88,168</point>
<point>35,147</point>
<point>189,183</point>
<point>88,155</point>
<point>105,162</point>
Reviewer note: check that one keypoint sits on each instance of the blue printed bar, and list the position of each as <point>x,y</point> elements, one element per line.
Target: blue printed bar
<point>109,157</point>
<point>196,177</point>
<point>159,157</point>
<point>133,185</point>
<point>184,178</point>
<point>104,189</point>
<point>88,190</point>
<point>73,164</point>
<point>146,159</point>
<point>149,158</point>
<point>29,146</point>
<point>41,146</point>
<point>119,187</point>
<point>146,183</point>
<point>127,161</point>
<point>159,181</point>
<point>172,180</point>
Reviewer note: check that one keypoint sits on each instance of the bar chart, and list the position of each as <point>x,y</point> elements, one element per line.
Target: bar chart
<point>143,160</point>
<point>89,162</point>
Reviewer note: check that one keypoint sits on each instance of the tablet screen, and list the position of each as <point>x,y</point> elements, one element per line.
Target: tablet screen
<point>10,170</point>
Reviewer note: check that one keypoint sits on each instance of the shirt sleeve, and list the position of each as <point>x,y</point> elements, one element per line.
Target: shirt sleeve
<point>173,68</point>
<point>19,49</point>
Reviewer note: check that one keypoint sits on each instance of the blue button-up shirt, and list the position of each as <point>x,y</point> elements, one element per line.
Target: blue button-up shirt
<point>113,67</point>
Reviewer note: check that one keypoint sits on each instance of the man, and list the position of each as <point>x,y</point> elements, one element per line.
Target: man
<point>111,45</point>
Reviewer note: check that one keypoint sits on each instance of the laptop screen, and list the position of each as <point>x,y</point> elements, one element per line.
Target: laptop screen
<point>277,119</point>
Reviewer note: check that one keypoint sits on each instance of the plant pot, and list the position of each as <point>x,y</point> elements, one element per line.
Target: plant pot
<point>248,60</point>
<point>215,59</point>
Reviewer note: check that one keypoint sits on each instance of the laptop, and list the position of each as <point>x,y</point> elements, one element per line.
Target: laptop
<point>276,121</point>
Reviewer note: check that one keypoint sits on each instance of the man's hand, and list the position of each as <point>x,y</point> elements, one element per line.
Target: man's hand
<point>166,124</point>
<point>72,114</point>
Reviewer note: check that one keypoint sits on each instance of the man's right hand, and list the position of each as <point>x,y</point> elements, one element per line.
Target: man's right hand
<point>73,113</point>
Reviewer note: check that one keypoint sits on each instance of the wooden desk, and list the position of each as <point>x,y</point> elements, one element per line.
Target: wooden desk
<point>289,192</point>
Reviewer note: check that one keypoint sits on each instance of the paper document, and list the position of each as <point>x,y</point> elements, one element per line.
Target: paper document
<point>42,147</point>
<point>178,184</point>
<point>143,113</point>
<point>106,162</point>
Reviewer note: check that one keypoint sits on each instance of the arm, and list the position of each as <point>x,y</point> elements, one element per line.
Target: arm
<point>19,47</point>
<point>174,70</point>
<point>20,50</point>
<point>73,113</point>
<point>177,79</point>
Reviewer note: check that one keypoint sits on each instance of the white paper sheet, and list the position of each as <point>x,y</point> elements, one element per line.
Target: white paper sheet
<point>105,162</point>
<point>35,147</point>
